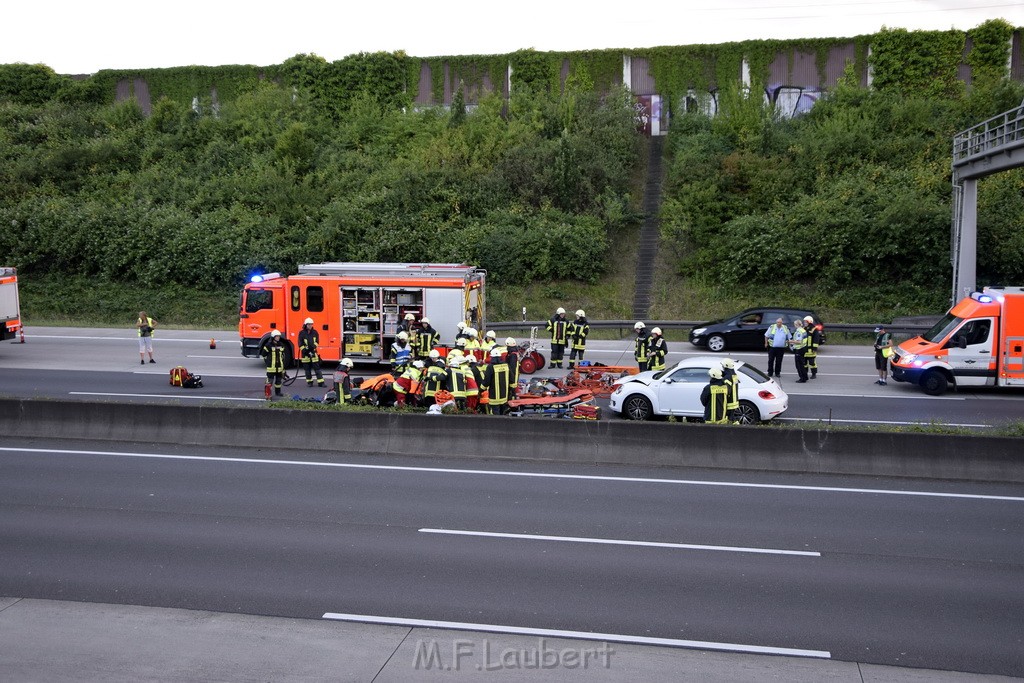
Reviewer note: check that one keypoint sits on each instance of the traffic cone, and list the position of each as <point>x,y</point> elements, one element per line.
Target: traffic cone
<point>213,343</point>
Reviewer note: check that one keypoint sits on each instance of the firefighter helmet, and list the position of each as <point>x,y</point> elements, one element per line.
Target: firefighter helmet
<point>346,362</point>
<point>434,353</point>
<point>729,363</point>
<point>471,331</point>
<point>307,321</point>
<point>495,353</point>
<point>510,341</point>
<point>418,364</point>
<point>560,311</point>
<point>715,373</point>
<point>403,335</point>
<point>657,331</point>
<point>461,341</point>
<point>808,319</point>
<point>639,326</point>
<point>425,321</point>
<point>470,358</point>
<point>275,334</point>
<point>581,314</point>
<point>461,324</point>
<point>490,334</point>
<point>409,316</point>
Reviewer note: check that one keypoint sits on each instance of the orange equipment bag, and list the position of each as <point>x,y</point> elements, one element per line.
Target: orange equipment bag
<point>443,396</point>
<point>178,376</point>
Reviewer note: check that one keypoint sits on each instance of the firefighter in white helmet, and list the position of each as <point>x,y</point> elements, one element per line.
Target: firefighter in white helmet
<point>657,350</point>
<point>579,329</point>
<point>558,328</point>
<point>309,353</point>
<point>401,353</point>
<point>715,397</point>
<point>426,338</point>
<point>811,347</point>
<point>641,346</point>
<point>273,357</point>
<point>342,381</point>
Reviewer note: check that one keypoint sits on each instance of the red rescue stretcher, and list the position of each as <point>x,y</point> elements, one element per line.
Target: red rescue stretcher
<point>597,378</point>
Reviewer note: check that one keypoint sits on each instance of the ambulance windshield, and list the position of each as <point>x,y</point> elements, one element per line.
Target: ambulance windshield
<point>941,329</point>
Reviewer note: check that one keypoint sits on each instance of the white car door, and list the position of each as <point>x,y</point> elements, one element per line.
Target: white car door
<point>679,392</point>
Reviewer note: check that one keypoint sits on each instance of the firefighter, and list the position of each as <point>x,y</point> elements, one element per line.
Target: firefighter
<point>558,326</point>
<point>799,345</point>
<point>455,380</point>
<point>578,331</point>
<point>715,397</point>
<point>732,383</point>
<point>498,383</point>
<point>489,342</point>
<point>813,342</point>
<point>342,381</point>
<point>401,353</point>
<point>657,350</point>
<point>426,338</point>
<point>408,324</point>
<point>309,348</point>
<point>473,343</point>
<point>474,380</point>
<point>434,378</point>
<point>461,332</point>
<point>407,387</point>
<point>512,354</point>
<point>273,358</point>
<point>641,346</point>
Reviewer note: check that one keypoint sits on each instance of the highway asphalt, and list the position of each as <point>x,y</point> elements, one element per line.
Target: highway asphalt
<point>876,571</point>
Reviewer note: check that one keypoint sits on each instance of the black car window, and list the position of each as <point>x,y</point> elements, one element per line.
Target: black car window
<point>753,373</point>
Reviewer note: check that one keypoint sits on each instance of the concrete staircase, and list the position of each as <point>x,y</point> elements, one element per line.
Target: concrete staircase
<point>648,252</point>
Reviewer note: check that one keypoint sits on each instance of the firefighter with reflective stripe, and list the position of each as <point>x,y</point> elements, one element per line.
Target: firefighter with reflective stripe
<point>461,330</point>
<point>407,386</point>
<point>472,346</point>
<point>558,326</point>
<point>342,381</point>
<point>732,383</point>
<point>799,345</point>
<point>426,338</point>
<point>498,383</point>
<point>401,353</point>
<point>273,358</point>
<point>512,358</point>
<point>455,381</point>
<point>489,342</point>
<point>715,397</point>
<point>309,350</point>
<point>578,331</point>
<point>474,380</point>
<point>812,344</point>
<point>408,324</point>
<point>434,378</point>
<point>657,350</point>
<point>641,346</point>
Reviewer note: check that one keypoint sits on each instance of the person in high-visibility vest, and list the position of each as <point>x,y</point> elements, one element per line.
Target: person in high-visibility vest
<point>641,346</point>
<point>426,339</point>
<point>715,398</point>
<point>799,344</point>
<point>578,331</point>
<point>812,344</point>
<point>732,383</point>
<point>273,358</point>
<point>434,377</point>
<point>401,353</point>
<point>489,342</point>
<point>456,379</point>
<point>474,380</point>
<point>499,384</point>
<point>883,351</point>
<point>342,381</point>
<point>657,350</point>
<point>558,327</point>
<point>309,350</point>
<point>407,387</point>
<point>145,325</point>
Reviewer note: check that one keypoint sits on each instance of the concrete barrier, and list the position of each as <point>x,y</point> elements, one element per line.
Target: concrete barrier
<point>613,442</point>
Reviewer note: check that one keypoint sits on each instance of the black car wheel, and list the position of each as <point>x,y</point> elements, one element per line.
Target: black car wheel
<point>934,383</point>
<point>636,407</point>
<point>716,343</point>
<point>747,413</point>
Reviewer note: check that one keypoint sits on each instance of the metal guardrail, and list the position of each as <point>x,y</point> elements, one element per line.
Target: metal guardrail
<point>626,326</point>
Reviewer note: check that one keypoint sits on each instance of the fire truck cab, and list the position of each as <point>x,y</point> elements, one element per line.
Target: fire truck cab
<point>357,307</point>
<point>978,343</point>
<point>10,304</point>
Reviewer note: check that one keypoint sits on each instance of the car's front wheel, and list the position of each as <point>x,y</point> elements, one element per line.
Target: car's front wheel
<point>637,407</point>
<point>747,413</point>
<point>716,343</point>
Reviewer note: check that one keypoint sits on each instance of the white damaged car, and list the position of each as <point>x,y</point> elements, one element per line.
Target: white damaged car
<point>676,391</point>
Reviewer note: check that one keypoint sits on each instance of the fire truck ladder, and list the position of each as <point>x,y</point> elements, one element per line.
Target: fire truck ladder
<point>990,147</point>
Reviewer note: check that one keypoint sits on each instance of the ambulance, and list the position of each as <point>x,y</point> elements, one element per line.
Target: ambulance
<point>979,343</point>
<point>10,305</point>
<point>357,307</point>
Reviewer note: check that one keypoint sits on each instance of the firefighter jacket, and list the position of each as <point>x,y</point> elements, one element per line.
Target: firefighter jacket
<point>343,386</point>
<point>455,382</point>
<point>732,384</point>
<point>715,400</point>
<point>309,346</point>
<point>657,351</point>
<point>486,345</point>
<point>559,329</point>
<point>498,382</point>
<point>409,382</point>
<point>434,380</point>
<point>813,340</point>
<point>426,339</point>
<point>578,331</point>
<point>273,356</point>
<point>473,379</point>
<point>641,348</point>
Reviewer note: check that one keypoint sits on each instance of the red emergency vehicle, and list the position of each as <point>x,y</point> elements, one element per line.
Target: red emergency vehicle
<point>10,304</point>
<point>358,307</point>
<point>978,343</point>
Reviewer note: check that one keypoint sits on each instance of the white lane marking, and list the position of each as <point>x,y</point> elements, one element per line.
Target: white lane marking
<point>218,356</point>
<point>507,473</point>
<point>881,422</point>
<point>916,397</point>
<point>126,339</point>
<point>613,541</point>
<point>204,374</point>
<point>198,396</point>
<point>578,635</point>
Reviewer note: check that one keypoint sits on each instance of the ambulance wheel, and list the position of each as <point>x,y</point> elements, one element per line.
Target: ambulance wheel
<point>528,365</point>
<point>934,383</point>
<point>716,343</point>
<point>747,413</point>
<point>636,407</point>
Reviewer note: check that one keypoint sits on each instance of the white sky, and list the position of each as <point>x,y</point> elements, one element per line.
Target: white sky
<point>79,36</point>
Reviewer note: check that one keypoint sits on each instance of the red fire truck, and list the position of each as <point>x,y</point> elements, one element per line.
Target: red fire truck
<point>357,307</point>
<point>10,305</point>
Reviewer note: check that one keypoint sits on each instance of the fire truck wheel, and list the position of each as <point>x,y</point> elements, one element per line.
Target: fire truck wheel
<point>528,365</point>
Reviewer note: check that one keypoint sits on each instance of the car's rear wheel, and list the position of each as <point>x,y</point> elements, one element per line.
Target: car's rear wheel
<point>716,343</point>
<point>747,413</point>
<point>637,407</point>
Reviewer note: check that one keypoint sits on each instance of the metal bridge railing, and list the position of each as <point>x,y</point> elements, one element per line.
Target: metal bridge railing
<point>999,132</point>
